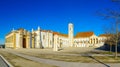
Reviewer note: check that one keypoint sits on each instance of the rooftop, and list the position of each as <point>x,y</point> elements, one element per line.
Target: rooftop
<point>84,34</point>
<point>105,35</point>
<point>60,34</point>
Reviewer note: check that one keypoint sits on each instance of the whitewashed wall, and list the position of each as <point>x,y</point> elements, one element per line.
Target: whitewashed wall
<point>17,40</point>
<point>37,39</point>
<point>64,41</point>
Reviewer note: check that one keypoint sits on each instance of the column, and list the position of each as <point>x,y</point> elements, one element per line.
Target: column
<point>28,40</point>
<point>55,48</point>
<point>14,40</point>
<point>33,40</point>
<point>21,40</point>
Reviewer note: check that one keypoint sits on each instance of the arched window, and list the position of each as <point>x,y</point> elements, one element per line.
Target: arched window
<point>97,40</point>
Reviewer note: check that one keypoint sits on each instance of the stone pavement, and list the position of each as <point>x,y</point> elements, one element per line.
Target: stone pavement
<point>2,63</point>
<point>63,63</point>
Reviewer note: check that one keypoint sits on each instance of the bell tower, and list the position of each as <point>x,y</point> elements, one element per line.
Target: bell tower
<point>70,34</point>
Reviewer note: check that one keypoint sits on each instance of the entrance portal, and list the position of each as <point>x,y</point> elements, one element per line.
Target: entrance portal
<point>24,42</point>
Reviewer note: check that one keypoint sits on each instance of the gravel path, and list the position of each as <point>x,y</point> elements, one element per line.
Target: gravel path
<point>63,63</point>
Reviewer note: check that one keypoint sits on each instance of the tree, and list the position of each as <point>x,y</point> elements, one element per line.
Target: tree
<point>115,15</point>
<point>110,41</point>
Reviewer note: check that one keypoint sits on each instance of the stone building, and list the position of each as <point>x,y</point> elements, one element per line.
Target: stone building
<point>86,39</point>
<point>81,39</point>
<point>42,38</point>
<point>48,39</point>
<point>18,39</point>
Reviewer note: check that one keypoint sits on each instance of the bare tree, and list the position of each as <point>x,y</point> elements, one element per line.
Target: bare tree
<point>115,15</point>
<point>110,41</point>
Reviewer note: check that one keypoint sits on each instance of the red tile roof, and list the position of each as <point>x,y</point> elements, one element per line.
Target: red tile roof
<point>55,33</point>
<point>46,31</point>
<point>64,35</point>
<point>105,35</point>
<point>84,34</point>
<point>60,34</point>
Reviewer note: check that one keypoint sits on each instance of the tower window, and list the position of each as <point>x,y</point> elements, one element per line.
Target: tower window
<point>43,37</point>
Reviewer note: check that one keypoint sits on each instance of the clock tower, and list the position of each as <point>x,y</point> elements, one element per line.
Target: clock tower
<point>70,34</point>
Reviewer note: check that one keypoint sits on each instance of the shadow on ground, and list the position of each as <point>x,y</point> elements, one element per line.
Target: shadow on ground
<point>97,60</point>
<point>106,47</point>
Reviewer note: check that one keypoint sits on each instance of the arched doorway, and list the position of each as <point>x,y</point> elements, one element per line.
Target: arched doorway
<point>24,42</point>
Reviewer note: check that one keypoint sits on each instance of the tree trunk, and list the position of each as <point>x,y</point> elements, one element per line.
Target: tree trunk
<point>110,47</point>
<point>116,50</point>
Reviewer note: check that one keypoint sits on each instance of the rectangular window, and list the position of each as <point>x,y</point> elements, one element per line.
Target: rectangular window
<point>43,37</point>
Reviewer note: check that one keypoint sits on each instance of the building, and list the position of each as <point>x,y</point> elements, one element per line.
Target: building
<point>48,39</point>
<point>86,39</point>
<point>18,39</point>
<point>42,38</point>
<point>82,39</point>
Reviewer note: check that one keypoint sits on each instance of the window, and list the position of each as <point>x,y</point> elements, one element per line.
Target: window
<point>70,28</point>
<point>50,42</point>
<point>43,37</point>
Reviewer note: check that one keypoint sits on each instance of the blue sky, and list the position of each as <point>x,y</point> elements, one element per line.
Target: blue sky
<point>52,15</point>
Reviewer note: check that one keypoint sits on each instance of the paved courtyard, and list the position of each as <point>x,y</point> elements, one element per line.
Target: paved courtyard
<point>66,51</point>
<point>2,63</point>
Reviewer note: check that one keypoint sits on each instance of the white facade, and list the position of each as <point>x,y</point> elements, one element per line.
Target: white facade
<point>43,38</point>
<point>88,41</point>
<point>38,38</point>
<point>48,39</point>
<point>17,40</point>
<point>81,42</point>
<point>63,41</point>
